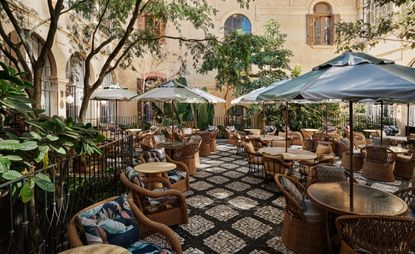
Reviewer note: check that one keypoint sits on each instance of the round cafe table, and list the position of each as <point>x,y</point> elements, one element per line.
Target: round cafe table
<point>97,249</point>
<point>253,131</point>
<point>156,169</point>
<point>291,154</point>
<point>311,130</point>
<point>398,150</point>
<point>170,147</point>
<point>335,197</point>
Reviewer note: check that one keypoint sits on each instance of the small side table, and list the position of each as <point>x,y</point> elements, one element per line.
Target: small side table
<point>157,169</point>
<point>97,249</point>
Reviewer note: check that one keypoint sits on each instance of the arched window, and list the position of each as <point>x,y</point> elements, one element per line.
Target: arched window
<point>238,22</point>
<point>320,27</point>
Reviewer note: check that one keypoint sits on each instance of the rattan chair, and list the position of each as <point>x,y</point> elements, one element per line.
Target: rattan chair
<point>254,158</point>
<point>204,149</point>
<point>378,163</point>
<point>274,164</point>
<point>328,173</point>
<point>303,231</point>
<point>340,146</point>
<point>240,138</point>
<point>214,135</point>
<point>172,216</point>
<point>181,185</point>
<point>359,139</point>
<point>297,138</point>
<point>186,154</point>
<point>231,137</point>
<point>375,234</point>
<point>405,165</point>
<point>324,155</point>
<point>147,227</point>
<point>307,140</point>
<point>196,139</point>
<point>407,195</point>
<point>256,141</point>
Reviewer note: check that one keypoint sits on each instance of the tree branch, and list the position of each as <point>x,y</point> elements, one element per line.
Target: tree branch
<point>101,17</point>
<point>10,57</point>
<point>17,28</point>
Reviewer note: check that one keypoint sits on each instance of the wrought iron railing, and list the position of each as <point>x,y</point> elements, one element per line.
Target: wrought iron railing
<point>39,226</point>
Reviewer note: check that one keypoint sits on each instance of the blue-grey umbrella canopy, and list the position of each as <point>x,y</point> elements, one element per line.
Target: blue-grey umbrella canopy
<point>113,92</point>
<point>351,77</point>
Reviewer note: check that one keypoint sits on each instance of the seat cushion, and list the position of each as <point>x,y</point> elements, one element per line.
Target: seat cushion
<point>133,176</point>
<point>176,175</point>
<point>112,223</point>
<point>155,155</point>
<point>313,213</point>
<point>160,204</point>
<point>143,247</point>
<point>293,191</point>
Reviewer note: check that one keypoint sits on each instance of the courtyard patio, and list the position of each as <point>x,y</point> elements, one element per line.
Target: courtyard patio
<point>232,211</point>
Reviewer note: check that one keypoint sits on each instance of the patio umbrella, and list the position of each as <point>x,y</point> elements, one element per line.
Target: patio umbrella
<point>208,96</point>
<point>171,91</point>
<point>351,77</point>
<point>113,92</point>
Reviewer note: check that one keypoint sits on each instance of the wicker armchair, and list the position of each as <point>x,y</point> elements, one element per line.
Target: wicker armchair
<point>328,173</point>
<point>147,227</point>
<point>254,158</point>
<point>274,164</point>
<point>304,228</point>
<point>196,139</point>
<point>281,143</point>
<point>186,154</point>
<point>340,146</point>
<point>256,141</point>
<point>375,234</point>
<point>405,165</point>
<point>181,185</point>
<point>307,140</point>
<point>407,195</point>
<point>213,137</point>
<point>324,155</point>
<point>240,138</point>
<point>204,149</point>
<point>297,138</point>
<point>378,163</point>
<point>169,215</point>
<point>359,139</point>
<point>231,137</point>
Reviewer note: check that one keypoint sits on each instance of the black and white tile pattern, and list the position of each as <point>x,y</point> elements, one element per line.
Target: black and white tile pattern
<point>231,211</point>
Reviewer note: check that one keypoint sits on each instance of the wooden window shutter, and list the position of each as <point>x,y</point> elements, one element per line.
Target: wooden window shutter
<point>141,23</point>
<point>310,29</point>
<point>334,19</point>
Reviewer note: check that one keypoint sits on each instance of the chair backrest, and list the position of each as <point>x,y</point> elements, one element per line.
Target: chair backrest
<point>297,138</point>
<point>377,234</point>
<point>359,139</point>
<point>407,195</point>
<point>378,154</point>
<point>195,139</point>
<point>294,202</point>
<point>249,147</point>
<point>256,142</point>
<point>280,143</point>
<point>306,134</point>
<point>323,148</point>
<point>188,149</point>
<point>322,137</point>
<point>274,164</point>
<point>205,137</point>
<point>327,173</point>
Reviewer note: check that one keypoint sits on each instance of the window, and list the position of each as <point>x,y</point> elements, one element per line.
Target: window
<point>373,12</point>
<point>320,27</point>
<point>107,108</point>
<point>152,24</point>
<point>238,22</point>
<point>238,116</point>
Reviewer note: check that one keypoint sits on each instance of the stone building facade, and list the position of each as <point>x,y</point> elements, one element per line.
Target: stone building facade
<point>307,23</point>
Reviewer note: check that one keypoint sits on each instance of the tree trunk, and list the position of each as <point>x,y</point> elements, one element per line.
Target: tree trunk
<point>37,88</point>
<point>85,103</point>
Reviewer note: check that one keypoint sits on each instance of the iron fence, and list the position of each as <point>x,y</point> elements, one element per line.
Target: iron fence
<point>39,226</point>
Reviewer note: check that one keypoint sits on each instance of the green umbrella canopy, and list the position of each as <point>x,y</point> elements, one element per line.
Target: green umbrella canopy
<point>352,77</point>
<point>171,91</point>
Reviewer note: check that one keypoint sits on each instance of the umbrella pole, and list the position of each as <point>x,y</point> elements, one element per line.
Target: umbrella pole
<point>172,120</point>
<point>407,120</point>
<point>381,123</point>
<point>351,153</point>
<point>326,119</point>
<point>264,122</point>
<point>116,114</point>
<point>286,126</point>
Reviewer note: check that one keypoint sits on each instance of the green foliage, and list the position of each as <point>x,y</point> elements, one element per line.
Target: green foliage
<point>245,62</point>
<point>394,26</point>
<point>42,141</point>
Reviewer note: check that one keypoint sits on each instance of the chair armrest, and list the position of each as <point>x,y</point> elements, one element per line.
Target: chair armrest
<point>156,227</point>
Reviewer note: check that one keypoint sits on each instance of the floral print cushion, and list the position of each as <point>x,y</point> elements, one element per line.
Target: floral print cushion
<point>133,176</point>
<point>176,175</point>
<point>143,247</point>
<point>112,223</point>
<point>155,155</point>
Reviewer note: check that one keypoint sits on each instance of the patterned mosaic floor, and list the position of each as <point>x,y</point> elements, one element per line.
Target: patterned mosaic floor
<point>233,212</point>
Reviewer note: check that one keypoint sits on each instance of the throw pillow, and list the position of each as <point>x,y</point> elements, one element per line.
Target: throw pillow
<point>293,191</point>
<point>133,176</point>
<point>112,223</point>
<point>141,247</point>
